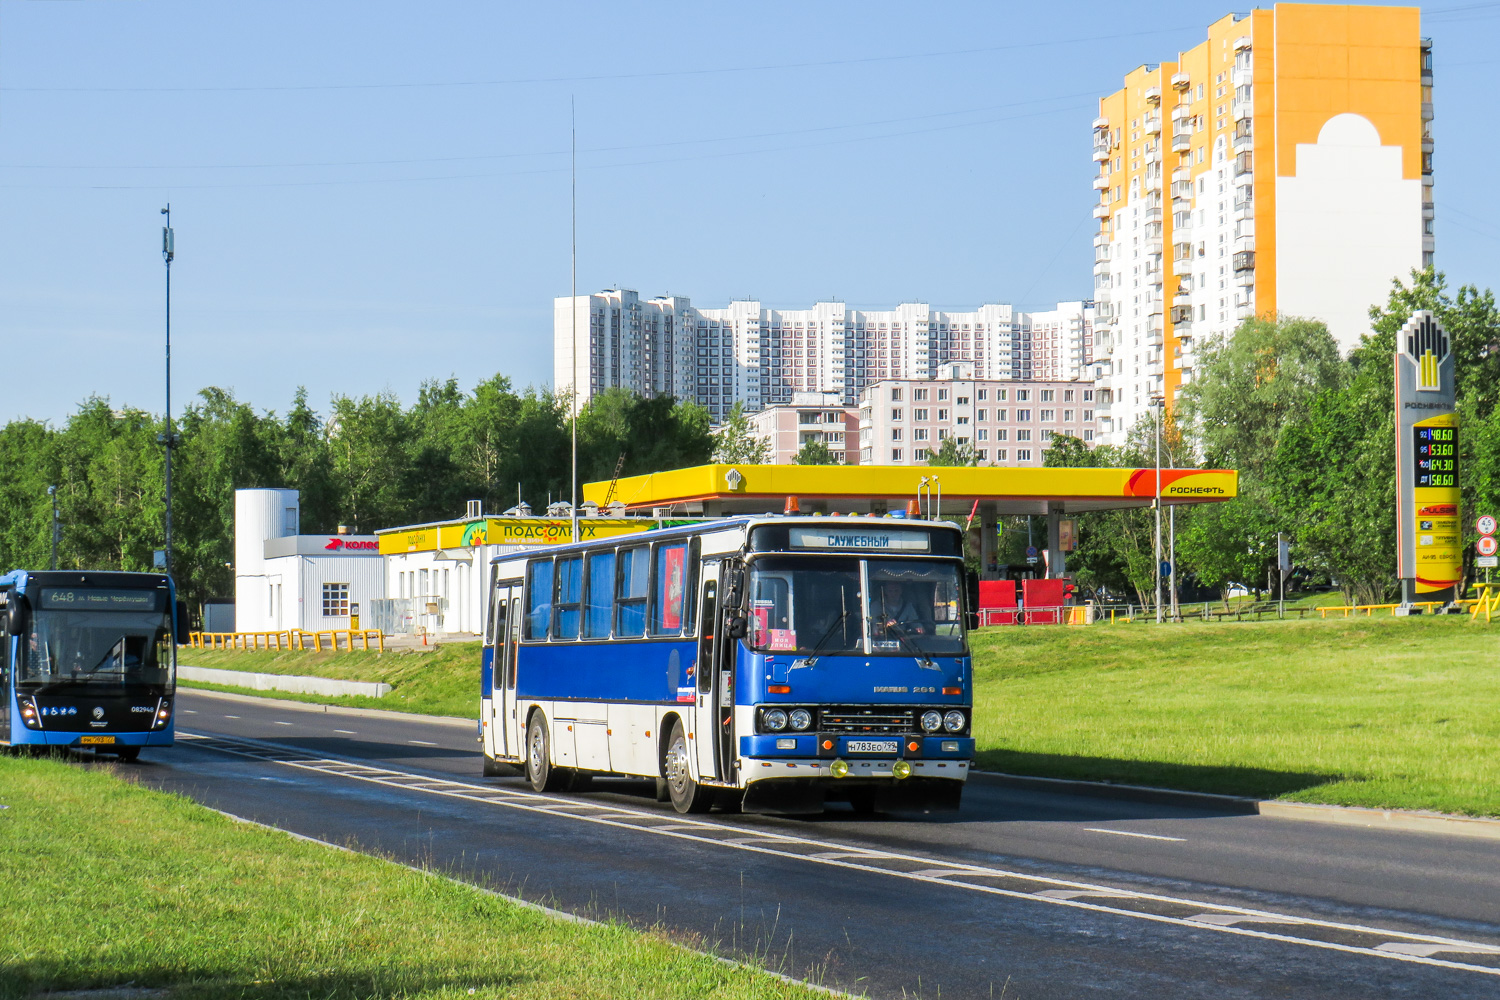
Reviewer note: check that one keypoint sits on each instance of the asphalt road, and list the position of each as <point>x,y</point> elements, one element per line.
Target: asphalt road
<point>1021,894</point>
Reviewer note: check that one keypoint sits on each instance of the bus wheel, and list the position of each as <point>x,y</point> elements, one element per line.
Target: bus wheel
<point>128,754</point>
<point>539,770</point>
<point>687,795</point>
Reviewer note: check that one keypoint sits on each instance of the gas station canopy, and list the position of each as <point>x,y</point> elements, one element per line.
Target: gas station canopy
<point>715,490</point>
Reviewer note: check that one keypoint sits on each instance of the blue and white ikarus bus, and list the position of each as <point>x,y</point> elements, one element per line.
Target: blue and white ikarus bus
<point>87,660</point>
<point>770,662</point>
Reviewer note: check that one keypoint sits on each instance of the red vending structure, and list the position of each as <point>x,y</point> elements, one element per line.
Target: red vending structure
<point>1044,600</point>
<point>997,602</point>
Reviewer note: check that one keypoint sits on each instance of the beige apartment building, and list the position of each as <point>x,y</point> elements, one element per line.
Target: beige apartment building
<point>811,416</point>
<point>1006,422</point>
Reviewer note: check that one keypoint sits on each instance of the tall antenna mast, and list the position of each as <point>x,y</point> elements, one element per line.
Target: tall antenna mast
<point>573,114</point>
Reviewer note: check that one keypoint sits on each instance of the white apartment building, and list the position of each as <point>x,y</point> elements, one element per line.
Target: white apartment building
<point>761,357</point>
<point>1005,421</point>
<point>811,416</point>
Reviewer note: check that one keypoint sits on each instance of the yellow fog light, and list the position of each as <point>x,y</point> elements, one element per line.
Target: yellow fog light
<point>902,769</point>
<point>840,768</point>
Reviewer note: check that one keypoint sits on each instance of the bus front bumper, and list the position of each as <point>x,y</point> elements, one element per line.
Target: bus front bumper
<point>89,741</point>
<point>860,771</point>
<point>801,787</point>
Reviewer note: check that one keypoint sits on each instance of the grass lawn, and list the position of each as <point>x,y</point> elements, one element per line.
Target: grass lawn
<point>444,681</point>
<point>1387,712</point>
<point>108,883</point>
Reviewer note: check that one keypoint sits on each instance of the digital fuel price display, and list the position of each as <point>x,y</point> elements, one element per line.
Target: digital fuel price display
<point>1434,457</point>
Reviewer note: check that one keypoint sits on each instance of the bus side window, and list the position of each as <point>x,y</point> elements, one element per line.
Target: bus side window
<point>569,597</point>
<point>599,601</point>
<point>670,593</point>
<point>538,598</point>
<point>630,593</point>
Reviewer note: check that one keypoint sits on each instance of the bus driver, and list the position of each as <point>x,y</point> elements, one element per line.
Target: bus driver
<point>899,614</point>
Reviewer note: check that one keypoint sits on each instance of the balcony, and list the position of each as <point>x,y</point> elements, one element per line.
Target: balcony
<point>1153,124</point>
<point>1182,222</point>
<point>1153,95</point>
<point>1243,164</point>
<point>1244,261</point>
<point>1101,183</point>
<point>1243,109</point>
<point>1244,278</point>
<point>1182,113</point>
<point>1153,184</point>
<point>1181,298</point>
<point>1182,315</point>
<point>1153,248</point>
<point>1101,253</point>
<point>1180,81</point>
<point>1241,76</point>
<point>1244,310</point>
<point>1152,231</point>
<point>1427,111</point>
<point>1428,210</point>
<point>1244,244</point>
<point>1101,122</point>
<point>1101,211</point>
<point>1152,215</point>
<point>1242,43</point>
<point>1102,296</point>
<point>1101,240</point>
<point>1101,269</point>
<point>1153,156</point>
<point>1181,142</point>
<point>1182,189</point>
<point>1101,154</point>
<point>1182,266</point>
<point>1153,367</point>
<point>1243,143</point>
<point>1244,209</point>
<point>1182,205</point>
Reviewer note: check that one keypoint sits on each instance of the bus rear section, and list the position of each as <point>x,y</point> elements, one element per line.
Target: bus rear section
<point>87,660</point>
<point>770,663</point>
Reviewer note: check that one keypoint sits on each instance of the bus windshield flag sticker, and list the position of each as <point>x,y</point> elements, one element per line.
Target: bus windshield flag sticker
<point>860,540</point>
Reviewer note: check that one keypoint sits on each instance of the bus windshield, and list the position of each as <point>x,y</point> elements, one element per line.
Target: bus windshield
<point>814,605</point>
<point>114,649</point>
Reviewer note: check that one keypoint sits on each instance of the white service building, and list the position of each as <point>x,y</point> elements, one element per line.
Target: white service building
<point>286,580</point>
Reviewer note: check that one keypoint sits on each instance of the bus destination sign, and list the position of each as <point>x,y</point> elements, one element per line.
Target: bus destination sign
<point>861,539</point>
<point>97,599</point>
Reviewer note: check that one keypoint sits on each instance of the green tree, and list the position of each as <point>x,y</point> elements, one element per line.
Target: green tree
<point>815,451</point>
<point>952,453</point>
<point>736,444</point>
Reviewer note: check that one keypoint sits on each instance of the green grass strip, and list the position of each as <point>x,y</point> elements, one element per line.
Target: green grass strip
<point>107,883</point>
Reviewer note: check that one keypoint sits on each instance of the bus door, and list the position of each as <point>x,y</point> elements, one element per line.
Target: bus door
<point>706,722</point>
<point>6,698</point>
<point>506,625</point>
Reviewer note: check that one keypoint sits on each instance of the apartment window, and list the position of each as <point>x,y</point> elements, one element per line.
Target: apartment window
<point>962,401</point>
<point>1088,415</point>
<point>942,395</point>
<point>1088,395</point>
<point>1000,454</point>
<point>919,395</point>
<point>895,434</point>
<point>335,600</point>
<point>1023,416</point>
<point>895,454</point>
<point>919,414</point>
<point>895,413</point>
<point>942,414</point>
<point>1088,435</point>
<point>1022,395</point>
<point>1048,416</point>
<point>980,414</point>
<point>1002,414</point>
<point>1046,395</point>
<point>1067,395</point>
<point>984,455</point>
<point>1000,396</point>
<point>919,434</point>
<point>920,454</point>
<point>983,394</point>
<point>1067,416</point>
<point>895,395</point>
<point>1023,435</point>
<point>1001,434</point>
<point>1023,455</point>
<point>1046,435</point>
<point>942,433</point>
<point>962,420</point>
<point>984,434</point>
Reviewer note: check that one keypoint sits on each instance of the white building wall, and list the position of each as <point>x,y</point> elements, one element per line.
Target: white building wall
<point>260,515</point>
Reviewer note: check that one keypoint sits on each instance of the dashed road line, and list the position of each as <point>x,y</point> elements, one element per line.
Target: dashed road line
<point>422,743</point>
<point>280,723</point>
<point>1132,833</point>
<point>1223,918</point>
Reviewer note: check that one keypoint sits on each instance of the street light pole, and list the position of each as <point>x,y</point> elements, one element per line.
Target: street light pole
<point>168,439</point>
<point>1156,403</point>
<point>56,524</point>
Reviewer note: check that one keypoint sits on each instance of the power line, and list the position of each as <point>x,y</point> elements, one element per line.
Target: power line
<point>600,77</point>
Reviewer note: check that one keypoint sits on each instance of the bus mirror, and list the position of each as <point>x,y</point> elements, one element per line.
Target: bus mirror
<point>180,622</point>
<point>736,627</point>
<point>15,617</point>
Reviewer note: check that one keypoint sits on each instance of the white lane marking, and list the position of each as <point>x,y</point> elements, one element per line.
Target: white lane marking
<point>1132,833</point>
<point>280,723</point>
<point>422,743</point>
<point>346,732</point>
<point>537,803</point>
<point>1426,950</point>
<point>939,872</point>
<point>1230,919</point>
<point>231,716</point>
<point>188,711</point>
<point>1076,893</point>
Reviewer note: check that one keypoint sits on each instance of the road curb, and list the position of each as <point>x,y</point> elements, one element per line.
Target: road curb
<point>359,713</point>
<point>1403,820</point>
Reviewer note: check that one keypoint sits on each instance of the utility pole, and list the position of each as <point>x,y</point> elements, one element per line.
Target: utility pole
<point>573,304</point>
<point>56,524</point>
<point>168,439</point>
<point>1156,404</point>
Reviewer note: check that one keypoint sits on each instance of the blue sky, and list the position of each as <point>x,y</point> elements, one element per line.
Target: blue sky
<point>369,194</point>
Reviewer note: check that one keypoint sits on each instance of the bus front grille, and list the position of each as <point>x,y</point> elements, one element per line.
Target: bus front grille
<point>866,720</point>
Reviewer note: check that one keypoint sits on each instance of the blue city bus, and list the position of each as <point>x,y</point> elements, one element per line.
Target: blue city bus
<point>767,663</point>
<point>87,660</point>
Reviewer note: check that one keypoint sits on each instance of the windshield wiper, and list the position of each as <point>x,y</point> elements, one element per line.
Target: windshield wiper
<point>812,658</point>
<point>923,659</point>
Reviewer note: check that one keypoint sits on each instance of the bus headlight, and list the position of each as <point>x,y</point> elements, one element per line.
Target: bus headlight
<point>773,720</point>
<point>901,769</point>
<point>163,714</point>
<point>954,722</point>
<point>839,768</point>
<point>932,721</point>
<point>801,719</point>
<point>29,714</point>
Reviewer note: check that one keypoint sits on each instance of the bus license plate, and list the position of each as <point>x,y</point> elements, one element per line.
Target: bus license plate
<point>92,740</point>
<point>872,746</point>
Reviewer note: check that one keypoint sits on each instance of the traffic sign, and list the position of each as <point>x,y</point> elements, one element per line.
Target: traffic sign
<point>1031,552</point>
<point>1485,524</point>
<point>1487,562</point>
<point>1487,545</point>
<point>1166,568</point>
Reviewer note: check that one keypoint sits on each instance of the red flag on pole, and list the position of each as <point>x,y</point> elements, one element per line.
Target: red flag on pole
<point>970,522</point>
